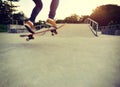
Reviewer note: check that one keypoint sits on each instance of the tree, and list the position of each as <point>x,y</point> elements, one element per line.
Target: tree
<point>19,17</point>
<point>5,12</point>
<point>72,19</point>
<point>12,8</point>
<point>14,0</point>
<point>105,14</point>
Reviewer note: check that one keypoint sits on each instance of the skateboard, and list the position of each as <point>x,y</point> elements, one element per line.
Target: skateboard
<point>52,29</point>
<point>38,27</point>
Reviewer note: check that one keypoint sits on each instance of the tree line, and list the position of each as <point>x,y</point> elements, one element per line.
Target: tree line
<point>7,13</point>
<point>104,14</point>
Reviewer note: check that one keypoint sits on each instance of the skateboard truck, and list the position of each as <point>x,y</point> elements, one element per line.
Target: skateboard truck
<point>29,37</point>
<point>54,31</point>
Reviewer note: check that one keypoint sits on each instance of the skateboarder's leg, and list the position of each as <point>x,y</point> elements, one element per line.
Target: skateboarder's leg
<point>52,13</point>
<point>35,12</point>
<point>53,8</point>
<point>36,9</point>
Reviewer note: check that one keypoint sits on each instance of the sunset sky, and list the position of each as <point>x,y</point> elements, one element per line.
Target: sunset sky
<point>66,7</point>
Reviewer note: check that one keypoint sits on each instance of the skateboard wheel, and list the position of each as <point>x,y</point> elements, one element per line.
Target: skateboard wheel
<point>27,39</point>
<point>52,34</point>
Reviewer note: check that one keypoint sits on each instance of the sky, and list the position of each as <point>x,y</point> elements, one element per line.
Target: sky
<point>65,8</point>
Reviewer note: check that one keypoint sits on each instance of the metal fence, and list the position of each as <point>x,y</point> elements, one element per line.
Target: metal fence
<point>93,25</point>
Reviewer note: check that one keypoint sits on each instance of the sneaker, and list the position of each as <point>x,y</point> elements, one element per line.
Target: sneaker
<point>30,26</point>
<point>52,23</point>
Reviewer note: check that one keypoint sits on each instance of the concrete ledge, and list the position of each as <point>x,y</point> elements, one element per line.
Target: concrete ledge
<point>16,28</point>
<point>108,31</point>
<point>117,32</point>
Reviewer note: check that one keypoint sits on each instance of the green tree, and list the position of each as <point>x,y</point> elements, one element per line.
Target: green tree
<point>12,7</point>
<point>72,19</point>
<point>106,13</point>
<point>5,12</point>
<point>19,17</point>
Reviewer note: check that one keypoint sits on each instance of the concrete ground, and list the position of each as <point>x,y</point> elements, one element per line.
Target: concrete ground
<point>73,58</point>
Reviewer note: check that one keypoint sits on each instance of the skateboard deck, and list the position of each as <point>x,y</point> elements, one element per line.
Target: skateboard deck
<point>30,36</point>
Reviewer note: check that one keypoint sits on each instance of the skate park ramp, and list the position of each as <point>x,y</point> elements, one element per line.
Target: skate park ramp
<point>73,58</point>
<point>75,30</point>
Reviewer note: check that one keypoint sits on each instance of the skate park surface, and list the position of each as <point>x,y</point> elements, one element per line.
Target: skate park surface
<point>73,58</point>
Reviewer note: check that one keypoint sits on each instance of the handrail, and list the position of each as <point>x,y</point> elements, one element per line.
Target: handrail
<point>93,25</point>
